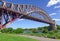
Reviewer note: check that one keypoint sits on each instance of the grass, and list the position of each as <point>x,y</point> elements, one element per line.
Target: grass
<point>11,37</point>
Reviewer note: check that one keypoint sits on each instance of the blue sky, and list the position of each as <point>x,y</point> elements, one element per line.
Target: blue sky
<point>52,7</point>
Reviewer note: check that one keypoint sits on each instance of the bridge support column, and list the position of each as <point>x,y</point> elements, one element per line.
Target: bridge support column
<point>0,20</point>
<point>53,26</point>
<point>0,25</point>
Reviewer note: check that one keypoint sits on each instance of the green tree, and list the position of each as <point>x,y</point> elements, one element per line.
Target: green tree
<point>5,30</point>
<point>58,27</point>
<point>10,30</point>
<point>19,30</point>
<point>34,30</point>
<point>39,28</point>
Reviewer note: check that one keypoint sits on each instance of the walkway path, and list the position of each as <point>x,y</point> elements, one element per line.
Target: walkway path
<point>40,38</point>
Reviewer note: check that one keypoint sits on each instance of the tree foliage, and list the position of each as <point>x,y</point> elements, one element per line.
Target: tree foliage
<point>18,30</point>
<point>34,30</point>
<point>7,30</point>
<point>11,30</point>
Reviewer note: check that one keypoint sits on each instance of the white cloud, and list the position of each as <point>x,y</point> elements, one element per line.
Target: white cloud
<point>53,14</point>
<point>59,1</point>
<point>56,19</point>
<point>57,7</point>
<point>53,2</point>
<point>20,19</point>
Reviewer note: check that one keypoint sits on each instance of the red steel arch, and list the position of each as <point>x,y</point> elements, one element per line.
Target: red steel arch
<point>9,12</point>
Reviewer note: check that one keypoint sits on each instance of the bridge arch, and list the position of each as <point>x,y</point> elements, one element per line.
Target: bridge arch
<point>25,12</point>
<point>40,12</point>
<point>44,15</point>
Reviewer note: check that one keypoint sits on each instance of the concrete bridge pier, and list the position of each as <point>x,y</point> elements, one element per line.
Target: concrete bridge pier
<point>53,26</point>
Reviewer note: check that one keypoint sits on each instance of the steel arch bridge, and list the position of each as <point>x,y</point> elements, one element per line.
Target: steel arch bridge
<point>9,12</point>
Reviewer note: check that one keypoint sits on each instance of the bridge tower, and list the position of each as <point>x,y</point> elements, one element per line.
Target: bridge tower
<point>53,26</point>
